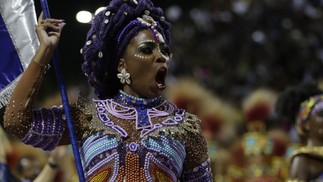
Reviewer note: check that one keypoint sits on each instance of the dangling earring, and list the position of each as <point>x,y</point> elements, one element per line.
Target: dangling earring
<point>124,76</point>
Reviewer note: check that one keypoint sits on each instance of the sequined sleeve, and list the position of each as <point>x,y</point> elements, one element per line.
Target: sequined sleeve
<point>41,128</point>
<point>197,165</point>
<point>47,128</point>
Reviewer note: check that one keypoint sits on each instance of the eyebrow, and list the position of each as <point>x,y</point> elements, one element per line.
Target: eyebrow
<point>152,42</point>
<point>163,44</point>
<point>147,42</point>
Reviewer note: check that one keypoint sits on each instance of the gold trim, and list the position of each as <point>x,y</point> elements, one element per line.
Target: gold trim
<point>314,150</point>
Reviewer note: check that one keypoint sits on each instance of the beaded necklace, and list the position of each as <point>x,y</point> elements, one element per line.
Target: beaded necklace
<point>141,110</point>
<point>141,105</point>
<point>132,101</point>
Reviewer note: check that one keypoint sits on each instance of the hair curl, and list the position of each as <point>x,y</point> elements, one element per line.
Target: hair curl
<point>288,103</point>
<point>102,52</point>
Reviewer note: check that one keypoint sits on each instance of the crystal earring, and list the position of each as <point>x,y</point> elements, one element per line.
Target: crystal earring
<point>124,76</point>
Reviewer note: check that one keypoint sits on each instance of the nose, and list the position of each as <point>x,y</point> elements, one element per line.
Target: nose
<point>160,58</point>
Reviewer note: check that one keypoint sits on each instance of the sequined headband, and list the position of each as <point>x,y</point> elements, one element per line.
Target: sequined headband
<point>146,21</point>
<point>307,109</point>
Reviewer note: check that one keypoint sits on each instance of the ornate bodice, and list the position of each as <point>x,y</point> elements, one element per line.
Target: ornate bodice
<point>131,139</point>
<point>120,139</point>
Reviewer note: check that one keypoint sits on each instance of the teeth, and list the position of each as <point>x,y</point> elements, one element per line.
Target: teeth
<point>160,78</point>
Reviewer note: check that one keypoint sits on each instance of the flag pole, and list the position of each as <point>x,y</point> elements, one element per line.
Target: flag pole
<point>65,102</point>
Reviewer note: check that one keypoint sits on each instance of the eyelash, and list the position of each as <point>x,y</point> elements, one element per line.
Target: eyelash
<point>148,50</point>
<point>165,50</point>
<point>144,51</point>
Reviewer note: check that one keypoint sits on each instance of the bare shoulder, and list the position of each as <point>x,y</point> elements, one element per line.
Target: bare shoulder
<point>299,167</point>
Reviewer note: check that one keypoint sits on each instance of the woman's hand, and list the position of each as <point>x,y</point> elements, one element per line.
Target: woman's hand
<point>58,155</point>
<point>49,32</point>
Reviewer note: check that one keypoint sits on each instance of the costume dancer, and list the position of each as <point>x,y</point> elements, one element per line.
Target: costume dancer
<point>129,132</point>
<point>304,104</point>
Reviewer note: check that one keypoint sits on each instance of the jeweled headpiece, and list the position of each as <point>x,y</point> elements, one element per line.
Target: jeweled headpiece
<point>110,33</point>
<point>145,21</point>
<point>308,108</point>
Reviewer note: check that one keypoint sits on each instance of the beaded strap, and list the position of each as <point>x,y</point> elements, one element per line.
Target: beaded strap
<point>199,173</point>
<point>46,129</point>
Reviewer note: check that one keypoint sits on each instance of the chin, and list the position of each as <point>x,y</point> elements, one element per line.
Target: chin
<point>155,93</point>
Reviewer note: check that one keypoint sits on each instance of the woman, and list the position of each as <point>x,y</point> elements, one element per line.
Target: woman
<point>304,104</point>
<point>129,132</point>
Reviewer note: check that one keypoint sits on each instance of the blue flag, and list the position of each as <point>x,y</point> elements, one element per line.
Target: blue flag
<point>18,42</point>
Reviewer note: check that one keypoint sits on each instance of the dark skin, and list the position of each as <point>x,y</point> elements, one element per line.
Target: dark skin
<point>304,166</point>
<point>143,58</point>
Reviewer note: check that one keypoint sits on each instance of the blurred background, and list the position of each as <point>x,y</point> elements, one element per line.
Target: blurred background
<point>232,58</point>
<point>230,46</point>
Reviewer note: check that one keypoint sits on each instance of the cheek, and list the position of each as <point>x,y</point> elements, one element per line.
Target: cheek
<point>143,57</point>
<point>141,71</point>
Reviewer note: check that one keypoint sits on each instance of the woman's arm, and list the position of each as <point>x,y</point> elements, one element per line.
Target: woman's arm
<point>197,166</point>
<point>19,116</point>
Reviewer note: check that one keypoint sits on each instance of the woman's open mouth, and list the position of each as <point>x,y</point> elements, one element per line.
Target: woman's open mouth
<point>161,78</point>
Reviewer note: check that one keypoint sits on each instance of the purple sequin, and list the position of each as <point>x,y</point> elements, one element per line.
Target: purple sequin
<point>120,130</point>
<point>170,122</point>
<point>133,147</point>
<point>46,129</point>
<point>199,173</point>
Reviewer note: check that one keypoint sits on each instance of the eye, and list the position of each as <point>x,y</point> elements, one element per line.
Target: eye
<point>146,49</point>
<point>165,50</point>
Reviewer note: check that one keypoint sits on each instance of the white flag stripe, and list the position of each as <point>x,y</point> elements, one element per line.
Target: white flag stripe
<point>20,19</point>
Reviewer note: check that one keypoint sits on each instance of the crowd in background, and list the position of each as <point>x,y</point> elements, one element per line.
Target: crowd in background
<point>234,46</point>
